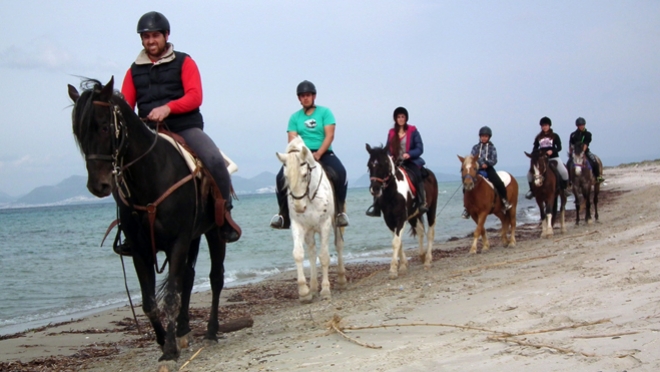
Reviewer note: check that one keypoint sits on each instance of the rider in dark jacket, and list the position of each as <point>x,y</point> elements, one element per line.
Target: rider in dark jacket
<point>549,143</point>
<point>582,135</point>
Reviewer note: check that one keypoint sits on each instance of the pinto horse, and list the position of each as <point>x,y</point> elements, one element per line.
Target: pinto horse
<point>546,189</point>
<point>581,176</point>
<point>391,187</point>
<point>481,199</point>
<point>312,208</point>
<point>162,207</point>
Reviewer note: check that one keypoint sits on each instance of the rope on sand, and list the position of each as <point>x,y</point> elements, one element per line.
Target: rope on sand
<point>538,346</point>
<point>576,236</point>
<point>335,324</point>
<point>191,358</point>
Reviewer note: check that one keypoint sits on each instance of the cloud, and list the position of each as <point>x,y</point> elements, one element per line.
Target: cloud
<point>40,54</point>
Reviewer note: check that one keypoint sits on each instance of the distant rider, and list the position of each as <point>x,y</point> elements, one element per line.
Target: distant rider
<point>583,136</point>
<point>486,155</point>
<point>548,142</point>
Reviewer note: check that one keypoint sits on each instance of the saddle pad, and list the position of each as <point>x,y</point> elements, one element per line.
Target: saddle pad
<point>190,160</point>
<point>504,176</point>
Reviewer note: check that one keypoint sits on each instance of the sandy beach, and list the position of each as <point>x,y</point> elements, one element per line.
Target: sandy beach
<point>586,300</point>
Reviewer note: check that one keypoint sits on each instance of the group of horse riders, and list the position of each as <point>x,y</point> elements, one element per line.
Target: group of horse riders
<point>165,85</point>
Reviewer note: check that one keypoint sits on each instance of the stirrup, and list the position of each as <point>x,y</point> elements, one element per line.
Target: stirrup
<point>600,179</point>
<point>372,211</point>
<point>123,249</point>
<point>423,209</point>
<point>506,204</point>
<point>465,214</point>
<point>529,195</point>
<point>277,222</point>
<point>341,220</point>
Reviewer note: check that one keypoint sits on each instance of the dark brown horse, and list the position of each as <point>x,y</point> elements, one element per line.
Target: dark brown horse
<point>480,199</point>
<point>394,197</point>
<point>582,178</point>
<point>546,188</point>
<point>125,158</point>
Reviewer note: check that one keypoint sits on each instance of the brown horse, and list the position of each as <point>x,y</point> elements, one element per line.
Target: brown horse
<point>582,178</point>
<point>480,199</point>
<point>546,189</point>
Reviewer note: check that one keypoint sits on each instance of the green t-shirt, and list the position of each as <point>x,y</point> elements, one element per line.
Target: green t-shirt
<point>312,127</point>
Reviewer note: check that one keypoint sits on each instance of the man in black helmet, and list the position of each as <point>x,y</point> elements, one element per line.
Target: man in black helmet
<point>316,126</point>
<point>583,136</point>
<point>167,88</point>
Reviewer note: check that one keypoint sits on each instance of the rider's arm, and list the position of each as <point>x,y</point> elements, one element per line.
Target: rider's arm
<point>292,135</point>
<point>329,130</point>
<point>192,89</point>
<point>416,145</point>
<point>128,89</point>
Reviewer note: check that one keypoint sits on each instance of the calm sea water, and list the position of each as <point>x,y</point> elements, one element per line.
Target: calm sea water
<point>52,268</point>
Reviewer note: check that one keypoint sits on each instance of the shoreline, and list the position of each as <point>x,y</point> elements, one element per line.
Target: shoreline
<point>540,283</point>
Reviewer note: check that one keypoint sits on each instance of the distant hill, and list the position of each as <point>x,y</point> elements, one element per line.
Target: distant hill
<point>262,183</point>
<point>6,198</point>
<point>71,189</point>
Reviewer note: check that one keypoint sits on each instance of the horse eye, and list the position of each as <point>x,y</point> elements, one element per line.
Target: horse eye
<point>105,129</point>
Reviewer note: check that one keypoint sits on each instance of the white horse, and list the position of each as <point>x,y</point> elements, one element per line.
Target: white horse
<point>312,210</point>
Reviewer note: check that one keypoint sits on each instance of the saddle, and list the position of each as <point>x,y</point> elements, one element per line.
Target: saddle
<point>504,176</point>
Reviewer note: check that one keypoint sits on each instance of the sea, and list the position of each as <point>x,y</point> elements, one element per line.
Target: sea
<point>53,269</point>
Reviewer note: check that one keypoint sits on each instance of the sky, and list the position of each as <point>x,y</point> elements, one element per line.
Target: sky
<point>455,65</point>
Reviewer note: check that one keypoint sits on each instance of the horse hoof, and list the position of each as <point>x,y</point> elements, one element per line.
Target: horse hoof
<point>184,341</point>
<point>472,251</point>
<point>306,299</point>
<point>590,222</point>
<point>167,366</point>
<point>393,276</point>
<point>341,284</point>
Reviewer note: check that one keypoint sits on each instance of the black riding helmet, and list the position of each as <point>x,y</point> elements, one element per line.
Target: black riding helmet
<point>580,121</point>
<point>400,110</point>
<point>153,21</point>
<point>485,131</point>
<point>306,86</point>
<point>545,120</point>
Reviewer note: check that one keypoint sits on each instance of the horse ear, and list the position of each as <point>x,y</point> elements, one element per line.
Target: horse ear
<point>528,155</point>
<point>73,93</point>
<point>282,157</point>
<point>462,159</point>
<point>368,148</point>
<point>304,152</point>
<point>108,89</point>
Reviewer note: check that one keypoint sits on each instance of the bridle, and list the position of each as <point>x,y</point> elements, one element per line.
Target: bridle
<point>541,176</point>
<point>309,183</point>
<point>384,182</point>
<point>119,143</point>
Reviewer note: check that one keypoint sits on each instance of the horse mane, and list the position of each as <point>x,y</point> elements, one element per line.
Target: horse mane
<point>82,113</point>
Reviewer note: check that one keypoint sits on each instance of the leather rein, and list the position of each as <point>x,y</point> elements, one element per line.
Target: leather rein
<point>318,185</point>
<point>119,145</point>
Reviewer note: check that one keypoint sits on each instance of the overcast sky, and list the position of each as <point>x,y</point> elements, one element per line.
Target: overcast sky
<point>455,65</point>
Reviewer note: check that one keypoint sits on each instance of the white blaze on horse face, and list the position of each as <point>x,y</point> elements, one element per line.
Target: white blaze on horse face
<point>538,178</point>
<point>577,164</point>
<point>468,181</point>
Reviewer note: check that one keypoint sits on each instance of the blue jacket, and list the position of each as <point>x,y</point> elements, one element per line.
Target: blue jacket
<point>414,145</point>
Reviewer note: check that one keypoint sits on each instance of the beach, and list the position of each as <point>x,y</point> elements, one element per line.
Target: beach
<point>585,300</point>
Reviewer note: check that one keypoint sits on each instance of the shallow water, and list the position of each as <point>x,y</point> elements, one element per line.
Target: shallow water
<point>53,268</point>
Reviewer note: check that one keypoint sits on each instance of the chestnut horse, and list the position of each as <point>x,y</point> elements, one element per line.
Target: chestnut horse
<point>582,178</point>
<point>391,189</point>
<point>481,199</point>
<point>546,189</point>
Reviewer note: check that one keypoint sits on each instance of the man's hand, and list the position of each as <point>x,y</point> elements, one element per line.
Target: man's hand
<point>484,166</point>
<point>317,155</point>
<point>159,113</point>
<point>406,156</point>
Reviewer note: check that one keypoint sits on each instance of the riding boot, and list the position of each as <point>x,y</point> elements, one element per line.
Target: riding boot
<point>594,167</point>
<point>563,184</point>
<point>281,221</point>
<point>422,200</point>
<point>230,231</point>
<point>373,210</point>
<point>529,194</point>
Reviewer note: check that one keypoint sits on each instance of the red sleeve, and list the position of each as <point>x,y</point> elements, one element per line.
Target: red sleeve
<point>128,89</point>
<point>192,89</point>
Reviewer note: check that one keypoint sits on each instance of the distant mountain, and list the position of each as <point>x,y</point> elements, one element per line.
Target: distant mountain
<point>6,198</point>
<point>262,183</point>
<point>72,189</point>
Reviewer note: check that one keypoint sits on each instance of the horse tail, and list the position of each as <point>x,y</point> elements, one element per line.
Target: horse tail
<point>431,196</point>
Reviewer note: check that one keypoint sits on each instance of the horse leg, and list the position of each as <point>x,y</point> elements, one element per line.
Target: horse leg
<point>588,206</point>
<point>485,244</point>
<point>504,221</point>
<point>596,191</point>
<point>183,320</point>
<point>576,194</point>
<point>430,236</point>
<point>419,231</point>
<point>547,224</point>
<point>217,250</point>
<point>512,227</point>
<point>147,277</point>
<point>310,243</point>
<point>475,238</point>
<point>324,257</point>
<point>172,298</point>
<point>396,247</point>
<point>562,211</point>
<point>339,246</point>
<point>304,294</point>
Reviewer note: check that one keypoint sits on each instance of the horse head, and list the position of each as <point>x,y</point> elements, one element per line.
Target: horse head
<point>469,168</point>
<point>97,133</point>
<point>538,165</point>
<point>579,160</point>
<point>298,163</point>
<point>381,169</point>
